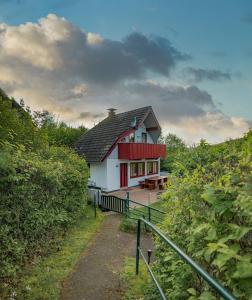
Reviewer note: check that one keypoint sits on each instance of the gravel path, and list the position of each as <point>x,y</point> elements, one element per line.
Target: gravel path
<point>97,274</point>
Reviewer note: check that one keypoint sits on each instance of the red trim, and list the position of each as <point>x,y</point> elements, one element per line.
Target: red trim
<point>125,133</point>
<point>123,175</point>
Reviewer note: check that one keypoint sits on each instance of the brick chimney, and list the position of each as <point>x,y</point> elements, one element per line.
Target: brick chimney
<point>111,112</point>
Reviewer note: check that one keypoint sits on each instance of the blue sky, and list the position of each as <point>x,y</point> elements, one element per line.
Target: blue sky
<point>215,36</point>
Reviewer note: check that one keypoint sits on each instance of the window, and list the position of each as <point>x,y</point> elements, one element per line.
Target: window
<point>152,167</point>
<point>144,137</point>
<point>137,169</point>
<point>133,170</point>
<point>132,137</point>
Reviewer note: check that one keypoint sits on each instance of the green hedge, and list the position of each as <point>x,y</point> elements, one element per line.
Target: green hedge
<point>41,194</point>
<point>210,218</point>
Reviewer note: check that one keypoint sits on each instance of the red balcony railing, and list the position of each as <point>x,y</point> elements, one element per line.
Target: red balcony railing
<point>140,151</point>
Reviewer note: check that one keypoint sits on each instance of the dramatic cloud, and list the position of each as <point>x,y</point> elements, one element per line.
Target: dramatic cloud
<point>54,44</point>
<point>90,116</point>
<point>77,75</point>
<point>198,75</point>
<point>175,101</point>
<point>212,126</point>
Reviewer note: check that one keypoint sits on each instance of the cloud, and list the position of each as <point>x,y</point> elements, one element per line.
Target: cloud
<point>213,126</point>
<point>187,111</point>
<point>77,75</point>
<point>174,102</point>
<point>198,74</point>
<point>90,116</point>
<point>54,44</point>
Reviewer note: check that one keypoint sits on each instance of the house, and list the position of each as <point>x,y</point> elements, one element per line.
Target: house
<point>122,149</point>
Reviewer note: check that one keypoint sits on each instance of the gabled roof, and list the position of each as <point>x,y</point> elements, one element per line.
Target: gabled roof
<point>98,141</point>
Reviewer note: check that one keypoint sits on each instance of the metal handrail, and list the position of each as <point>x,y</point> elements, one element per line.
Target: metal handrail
<point>139,214</point>
<point>143,205</point>
<point>208,278</point>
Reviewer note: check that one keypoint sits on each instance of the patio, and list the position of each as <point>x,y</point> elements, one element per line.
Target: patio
<point>137,194</point>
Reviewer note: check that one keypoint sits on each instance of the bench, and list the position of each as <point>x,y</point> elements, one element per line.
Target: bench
<point>142,184</point>
<point>150,185</point>
<point>161,186</point>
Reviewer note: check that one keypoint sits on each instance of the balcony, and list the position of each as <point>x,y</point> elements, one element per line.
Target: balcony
<point>140,151</point>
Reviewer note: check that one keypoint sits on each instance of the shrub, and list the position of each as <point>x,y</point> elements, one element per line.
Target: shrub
<point>42,193</point>
<point>210,218</point>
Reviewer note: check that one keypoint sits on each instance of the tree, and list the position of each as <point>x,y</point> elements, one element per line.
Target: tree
<point>174,147</point>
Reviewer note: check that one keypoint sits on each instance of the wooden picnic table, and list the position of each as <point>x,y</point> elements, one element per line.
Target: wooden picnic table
<point>156,180</point>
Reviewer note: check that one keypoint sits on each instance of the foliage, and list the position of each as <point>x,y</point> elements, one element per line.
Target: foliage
<point>44,279</point>
<point>210,218</point>
<point>174,146</point>
<point>137,286</point>
<point>41,195</point>
<point>42,187</point>
<point>34,130</point>
<point>16,125</point>
<point>58,133</point>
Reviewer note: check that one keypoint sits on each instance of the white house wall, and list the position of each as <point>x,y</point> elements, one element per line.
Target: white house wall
<point>113,170</point>
<point>98,174</point>
<point>138,135</point>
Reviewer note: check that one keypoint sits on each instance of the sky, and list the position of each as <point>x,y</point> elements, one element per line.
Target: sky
<point>190,59</point>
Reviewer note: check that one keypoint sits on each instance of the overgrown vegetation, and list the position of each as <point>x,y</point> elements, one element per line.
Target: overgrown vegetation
<point>209,200</point>
<point>130,225</point>
<point>44,279</point>
<point>209,215</point>
<point>137,287</point>
<point>42,186</point>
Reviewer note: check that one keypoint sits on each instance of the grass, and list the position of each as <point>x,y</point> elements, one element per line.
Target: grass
<point>43,280</point>
<point>138,287</point>
<point>129,225</point>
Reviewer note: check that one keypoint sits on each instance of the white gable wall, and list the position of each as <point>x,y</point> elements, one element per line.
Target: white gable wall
<point>98,174</point>
<point>113,170</point>
<point>138,135</point>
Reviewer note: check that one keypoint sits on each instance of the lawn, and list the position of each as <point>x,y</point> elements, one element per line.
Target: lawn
<point>44,279</point>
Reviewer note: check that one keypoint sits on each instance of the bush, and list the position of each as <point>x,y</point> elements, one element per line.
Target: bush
<point>42,193</point>
<point>210,218</point>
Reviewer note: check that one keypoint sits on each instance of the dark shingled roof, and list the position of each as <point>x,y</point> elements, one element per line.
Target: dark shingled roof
<point>96,142</point>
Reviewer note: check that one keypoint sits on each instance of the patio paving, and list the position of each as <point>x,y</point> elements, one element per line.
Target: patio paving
<point>137,194</point>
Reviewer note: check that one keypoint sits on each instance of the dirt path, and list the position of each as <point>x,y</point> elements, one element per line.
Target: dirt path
<point>97,274</point>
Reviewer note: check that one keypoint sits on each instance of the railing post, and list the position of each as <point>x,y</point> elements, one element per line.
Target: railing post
<point>138,245</point>
<point>95,205</point>
<point>145,227</point>
<point>149,213</point>
<point>127,203</point>
<point>149,252</point>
